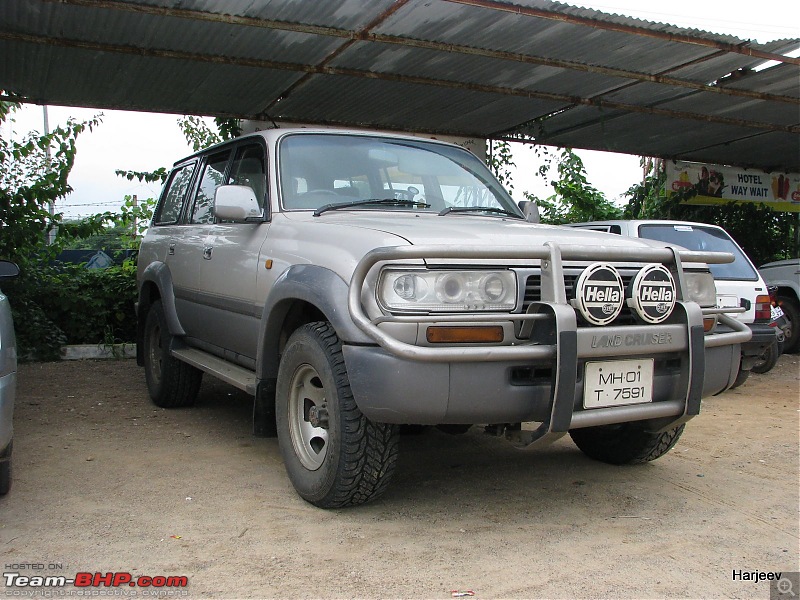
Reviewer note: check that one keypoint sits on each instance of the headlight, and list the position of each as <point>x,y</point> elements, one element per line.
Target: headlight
<point>700,288</point>
<point>447,291</point>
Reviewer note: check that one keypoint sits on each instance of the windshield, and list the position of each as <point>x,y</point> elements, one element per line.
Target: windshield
<point>317,170</point>
<point>708,239</point>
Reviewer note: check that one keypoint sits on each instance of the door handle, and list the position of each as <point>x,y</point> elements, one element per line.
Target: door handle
<point>207,250</point>
<point>171,249</point>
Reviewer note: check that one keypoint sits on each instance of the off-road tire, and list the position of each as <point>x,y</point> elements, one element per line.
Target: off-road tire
<point>792,311</point>
<point>171,383</point>
<point>768,360</point>
<point>624,444</point>
<point>359,455</point>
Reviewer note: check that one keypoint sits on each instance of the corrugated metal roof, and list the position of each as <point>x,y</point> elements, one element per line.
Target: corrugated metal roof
<point>532,69</point>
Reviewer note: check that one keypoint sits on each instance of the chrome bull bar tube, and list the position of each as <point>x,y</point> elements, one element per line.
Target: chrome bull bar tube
<point>551,255</point>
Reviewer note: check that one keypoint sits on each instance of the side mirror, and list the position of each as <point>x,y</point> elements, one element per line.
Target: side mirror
<point>530,210</point>
<point>8,269</point>
<point>236,203</point>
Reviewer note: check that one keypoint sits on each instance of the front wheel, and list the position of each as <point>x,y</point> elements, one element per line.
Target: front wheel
<point>333,454</point>
<point>626,443</point>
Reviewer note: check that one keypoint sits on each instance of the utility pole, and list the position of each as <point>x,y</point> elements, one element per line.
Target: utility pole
<point>135,210</point>
<point>51,232</point>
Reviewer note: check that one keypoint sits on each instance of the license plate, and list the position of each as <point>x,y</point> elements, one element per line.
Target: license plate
<point>617,383</point>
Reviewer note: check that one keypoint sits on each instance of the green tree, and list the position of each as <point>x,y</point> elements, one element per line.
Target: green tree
<point>575,199</point>
<point>33,174</point>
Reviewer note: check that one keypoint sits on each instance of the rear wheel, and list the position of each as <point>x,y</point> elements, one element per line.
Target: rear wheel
<point>333,454</point>
<point>626,443</point>
<point>171,383</point>
<point>790,308</point>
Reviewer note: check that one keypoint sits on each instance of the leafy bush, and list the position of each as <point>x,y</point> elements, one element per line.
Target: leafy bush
<point>57,305</point>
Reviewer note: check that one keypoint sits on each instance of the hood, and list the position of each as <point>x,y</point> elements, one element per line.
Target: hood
<point>467,229</point>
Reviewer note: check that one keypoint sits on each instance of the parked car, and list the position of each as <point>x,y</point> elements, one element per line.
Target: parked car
<point>8,379</point>
<point>785,274</point>
<point>353,282</point>
<point>783,329</point>
<point>738,283</point>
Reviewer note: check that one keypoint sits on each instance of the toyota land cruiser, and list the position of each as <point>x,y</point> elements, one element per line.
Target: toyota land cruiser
<point>353,282</point>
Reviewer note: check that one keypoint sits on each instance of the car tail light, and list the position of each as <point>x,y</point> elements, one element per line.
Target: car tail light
<point>763,309</point>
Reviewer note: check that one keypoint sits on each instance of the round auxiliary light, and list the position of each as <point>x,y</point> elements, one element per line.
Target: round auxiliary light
<point>599,294</point>
<point>653,294</point>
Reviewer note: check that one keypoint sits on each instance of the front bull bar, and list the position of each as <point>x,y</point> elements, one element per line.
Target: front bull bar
<point>554,305</point>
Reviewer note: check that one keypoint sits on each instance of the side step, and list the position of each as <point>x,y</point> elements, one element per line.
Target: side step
<point>237,376</point>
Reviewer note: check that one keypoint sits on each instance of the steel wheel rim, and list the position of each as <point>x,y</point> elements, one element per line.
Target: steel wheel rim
<point>310,443</point>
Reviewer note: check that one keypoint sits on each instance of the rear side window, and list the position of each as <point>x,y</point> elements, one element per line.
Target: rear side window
<point>706,239</point>
<point>213,174</point>
<point>170,209</point>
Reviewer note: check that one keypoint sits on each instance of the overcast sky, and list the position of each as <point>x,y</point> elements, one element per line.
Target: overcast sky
<point>145,141</point>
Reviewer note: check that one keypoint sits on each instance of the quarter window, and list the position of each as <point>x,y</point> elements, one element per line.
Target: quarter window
<point>248,169</point>
<point>170,209</point>
<point>213,177</point>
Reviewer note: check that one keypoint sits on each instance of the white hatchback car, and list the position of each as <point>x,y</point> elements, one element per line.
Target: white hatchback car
<point>739,284</point>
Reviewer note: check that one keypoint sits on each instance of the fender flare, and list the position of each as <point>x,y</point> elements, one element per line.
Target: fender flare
<point>159,274</point>
<point>317,286</point>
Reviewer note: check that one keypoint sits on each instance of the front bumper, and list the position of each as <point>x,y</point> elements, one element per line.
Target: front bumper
<point>540,377</point>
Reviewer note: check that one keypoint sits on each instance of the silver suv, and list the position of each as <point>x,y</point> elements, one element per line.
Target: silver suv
<point>353,282</point>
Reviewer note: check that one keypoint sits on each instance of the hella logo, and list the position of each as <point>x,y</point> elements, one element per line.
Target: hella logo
<point>595,293</point>
<point>656,294</point>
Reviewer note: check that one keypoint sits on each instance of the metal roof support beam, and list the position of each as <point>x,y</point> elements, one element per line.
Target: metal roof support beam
<point>364,35</point>
<point>630,29</point>
<point>587,68</point>
<point>328,70</point>
<point>398,4</point>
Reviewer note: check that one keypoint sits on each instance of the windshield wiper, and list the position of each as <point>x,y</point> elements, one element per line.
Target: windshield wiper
<point>489,209</point>
<point>382,201</point>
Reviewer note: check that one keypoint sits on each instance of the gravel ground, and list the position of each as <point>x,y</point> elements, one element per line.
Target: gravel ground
<point>106,482</point>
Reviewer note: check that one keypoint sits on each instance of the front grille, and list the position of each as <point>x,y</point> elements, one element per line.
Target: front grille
<point>533,292</point>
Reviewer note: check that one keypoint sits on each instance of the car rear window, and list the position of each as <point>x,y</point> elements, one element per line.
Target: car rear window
<point>706,239</point>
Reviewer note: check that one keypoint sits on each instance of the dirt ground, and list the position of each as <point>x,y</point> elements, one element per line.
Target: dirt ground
<point>105,481</point>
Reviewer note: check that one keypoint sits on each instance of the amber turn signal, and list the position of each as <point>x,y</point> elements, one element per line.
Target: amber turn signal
<point>708,323</point>
<point>465,335</point>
